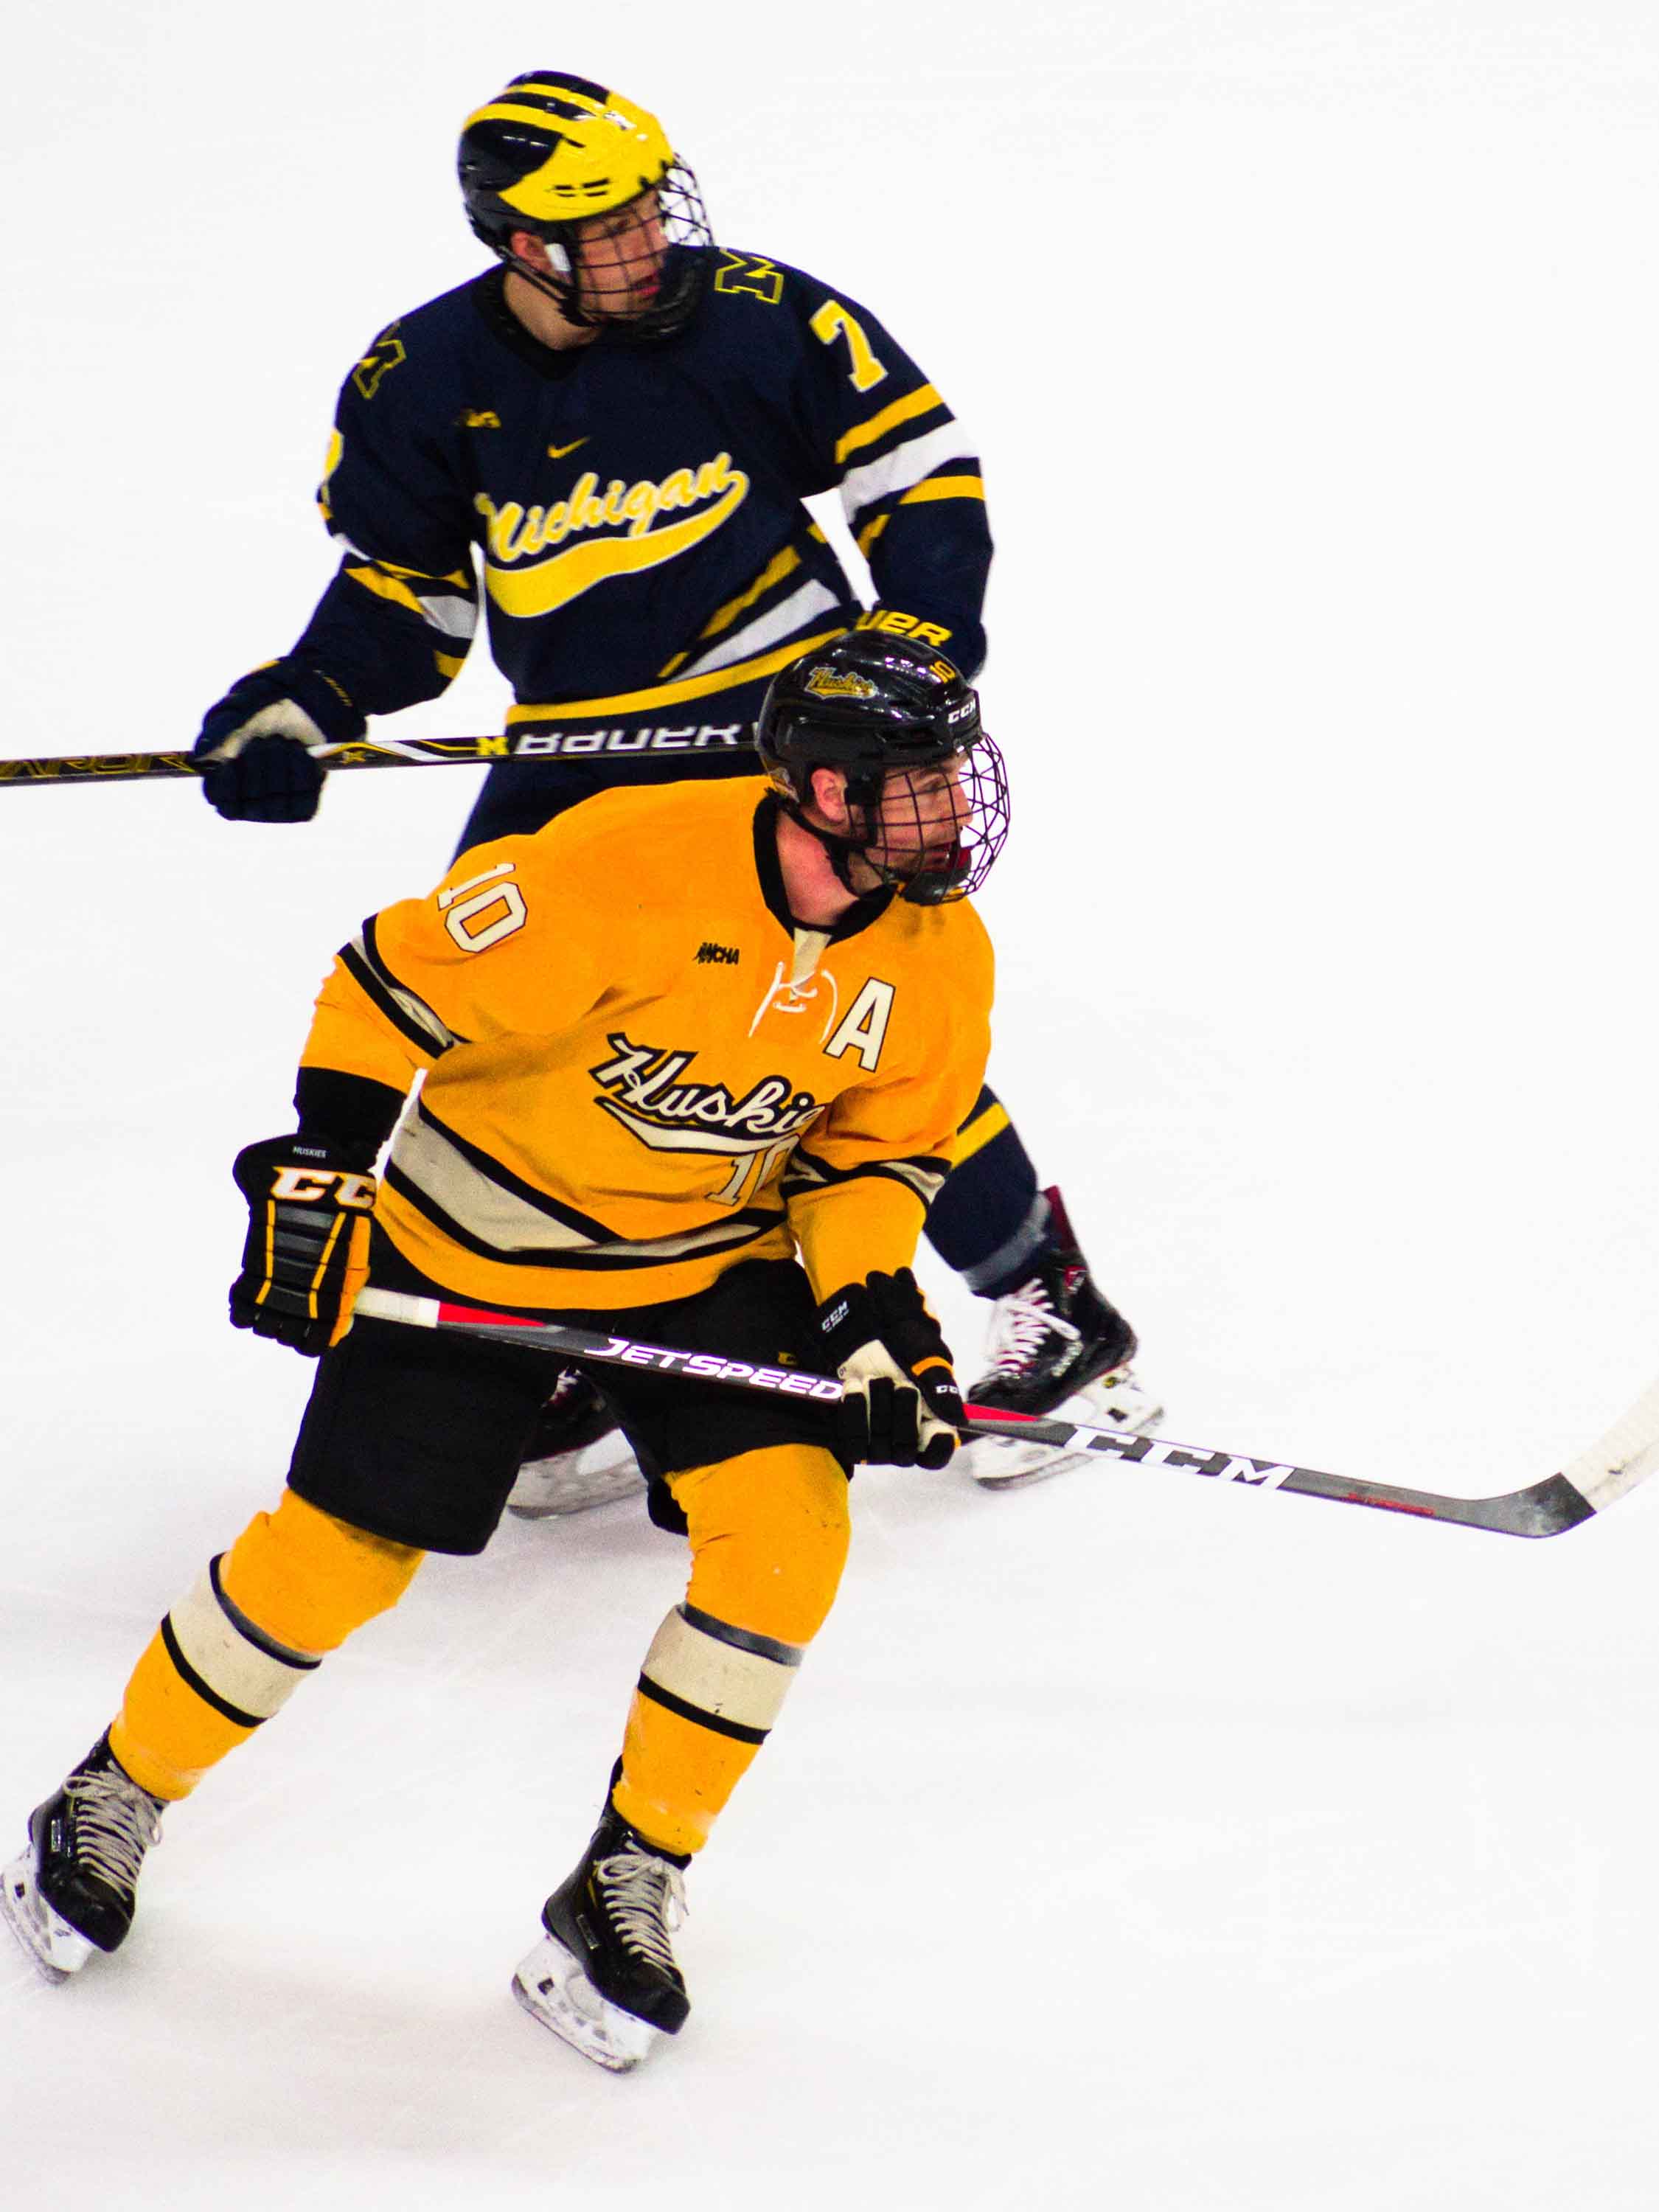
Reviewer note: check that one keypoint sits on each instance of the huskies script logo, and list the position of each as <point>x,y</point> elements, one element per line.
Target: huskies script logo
<point>824,684</point>
<point>648,1096</point>
<point>516,534</point>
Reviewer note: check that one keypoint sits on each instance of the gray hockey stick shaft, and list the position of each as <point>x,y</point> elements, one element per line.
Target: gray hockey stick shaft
<point>1614,1463</point>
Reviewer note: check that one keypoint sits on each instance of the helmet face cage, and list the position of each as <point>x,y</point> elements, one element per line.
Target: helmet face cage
<point>663,232</point>
<point>907,811</point>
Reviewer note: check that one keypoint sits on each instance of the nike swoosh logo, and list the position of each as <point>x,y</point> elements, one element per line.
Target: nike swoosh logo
<point>559,453</point>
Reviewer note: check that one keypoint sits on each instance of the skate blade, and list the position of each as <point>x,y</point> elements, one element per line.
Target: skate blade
<point>56,1949</point>
<point>552,1987</point>
<point>562,1484</point>
<point>1005,1463</point>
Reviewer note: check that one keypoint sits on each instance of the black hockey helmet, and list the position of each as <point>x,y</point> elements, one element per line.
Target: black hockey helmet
<point>876,703</point>
<point>553,152</point>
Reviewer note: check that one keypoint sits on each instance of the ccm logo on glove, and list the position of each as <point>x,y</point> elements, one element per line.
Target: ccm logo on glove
<point>306,1254</point>
<point>350,1189</point>
<point>900,1404</point>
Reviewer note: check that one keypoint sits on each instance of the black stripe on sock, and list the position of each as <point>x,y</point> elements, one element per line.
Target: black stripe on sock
<point>204,1690</point>
<point>687,1712</point>
<point>252,1630</point>
<point>743,1639</point>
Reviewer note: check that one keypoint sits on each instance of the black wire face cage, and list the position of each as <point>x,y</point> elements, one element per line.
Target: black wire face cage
<point>640,270</point>
<point>933,832</point>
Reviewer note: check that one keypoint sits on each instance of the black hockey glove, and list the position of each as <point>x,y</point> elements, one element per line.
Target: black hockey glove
<point>306,1254</point>
<point>902,1407</point>
<point>255,742</point>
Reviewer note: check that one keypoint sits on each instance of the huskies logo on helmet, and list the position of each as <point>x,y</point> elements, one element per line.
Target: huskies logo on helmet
<point>824,684</point>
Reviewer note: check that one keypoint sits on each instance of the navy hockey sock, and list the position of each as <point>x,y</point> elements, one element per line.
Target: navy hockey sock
<point>989,1219</point>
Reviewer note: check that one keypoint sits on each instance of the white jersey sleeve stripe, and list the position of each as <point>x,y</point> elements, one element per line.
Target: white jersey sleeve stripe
<point>905,466</point>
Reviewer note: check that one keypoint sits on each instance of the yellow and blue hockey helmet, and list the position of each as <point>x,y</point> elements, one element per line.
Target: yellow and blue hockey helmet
<point>552,152</point>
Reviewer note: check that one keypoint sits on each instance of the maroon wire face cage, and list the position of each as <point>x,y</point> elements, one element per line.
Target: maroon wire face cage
<point>936,831</point>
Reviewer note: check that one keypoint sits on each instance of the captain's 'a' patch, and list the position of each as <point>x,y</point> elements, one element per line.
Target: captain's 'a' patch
<point>863,1028</point>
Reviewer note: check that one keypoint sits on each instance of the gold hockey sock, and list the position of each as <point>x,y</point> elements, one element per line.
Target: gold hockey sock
<point>234,1648</point>
<point>769,1533</point>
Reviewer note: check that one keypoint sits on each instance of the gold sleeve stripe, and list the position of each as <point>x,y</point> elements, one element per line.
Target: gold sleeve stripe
<point>975,1135</point>
<point>462,578</point>
<point>670,695</point>
<point>773,572</point>
<point>944,488</point>
<point>447,611</point>
<point>450,664</point>
<point>877,426</point>
<point>453,615</point>
<point>386,587</point>
<point>869,532</point>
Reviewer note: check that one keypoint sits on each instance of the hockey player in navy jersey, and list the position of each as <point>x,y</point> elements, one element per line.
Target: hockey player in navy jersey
<point>613,433</point>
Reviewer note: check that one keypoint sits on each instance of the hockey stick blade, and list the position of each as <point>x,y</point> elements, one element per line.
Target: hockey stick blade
<point>1615,1463</point>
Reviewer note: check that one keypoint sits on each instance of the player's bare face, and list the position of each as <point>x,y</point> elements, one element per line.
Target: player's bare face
<point>619,260</point>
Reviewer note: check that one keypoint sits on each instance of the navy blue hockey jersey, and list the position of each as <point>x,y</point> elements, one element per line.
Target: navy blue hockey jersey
<point>631,515</point>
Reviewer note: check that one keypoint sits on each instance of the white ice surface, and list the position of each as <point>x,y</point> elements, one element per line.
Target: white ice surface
<point>1128,1842</point>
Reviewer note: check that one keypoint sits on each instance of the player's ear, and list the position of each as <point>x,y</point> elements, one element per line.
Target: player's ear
<point>828,799</point>
<point>525,246</point>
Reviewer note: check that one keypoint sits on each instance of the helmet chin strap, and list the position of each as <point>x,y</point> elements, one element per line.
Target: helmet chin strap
<point>839,849</point>
<point>564,300</point>
<point>841,852</point>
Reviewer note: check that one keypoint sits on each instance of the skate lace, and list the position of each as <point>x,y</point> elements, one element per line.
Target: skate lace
<point>115,1824</point>
<point>1020,1324</point>
<point>644,1898</point>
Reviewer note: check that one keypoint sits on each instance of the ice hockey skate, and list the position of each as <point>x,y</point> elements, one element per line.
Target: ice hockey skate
<point>604,1977</point>
<point>71,1892</point>
<point>578,1457</point>
<point>1055,1345</point>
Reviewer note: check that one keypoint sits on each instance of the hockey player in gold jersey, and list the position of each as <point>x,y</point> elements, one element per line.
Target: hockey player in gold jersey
<point>695,1054</point>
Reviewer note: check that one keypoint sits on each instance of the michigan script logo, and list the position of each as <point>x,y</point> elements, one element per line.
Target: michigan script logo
<point>517,535</point>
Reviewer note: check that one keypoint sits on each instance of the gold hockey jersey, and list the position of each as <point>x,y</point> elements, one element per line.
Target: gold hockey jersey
<point>639,1070</point>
